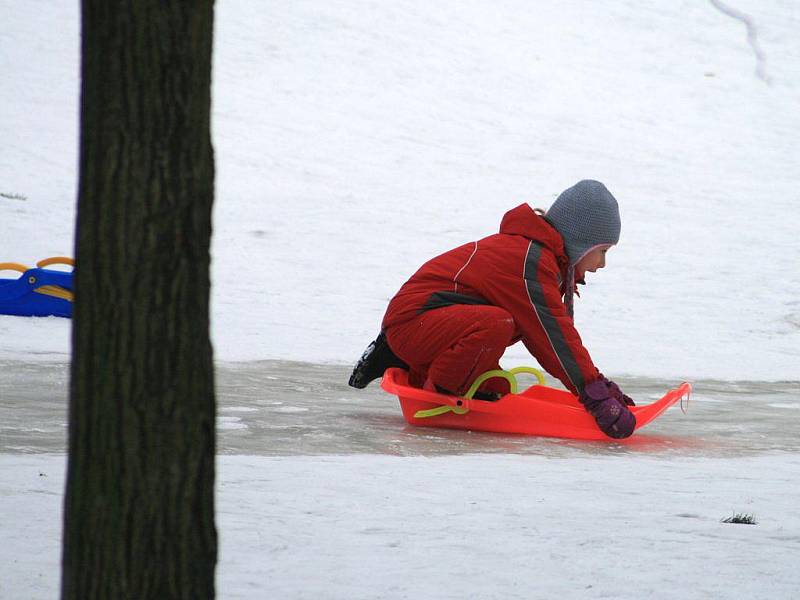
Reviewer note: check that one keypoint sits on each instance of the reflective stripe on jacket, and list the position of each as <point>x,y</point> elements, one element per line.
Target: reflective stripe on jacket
<point>520,269</point>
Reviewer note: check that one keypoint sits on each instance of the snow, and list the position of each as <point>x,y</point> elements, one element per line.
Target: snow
<point>464,527</point>
<point>354,140</point>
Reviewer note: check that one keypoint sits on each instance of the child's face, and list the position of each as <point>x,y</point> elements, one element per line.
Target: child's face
<point>593,260</point>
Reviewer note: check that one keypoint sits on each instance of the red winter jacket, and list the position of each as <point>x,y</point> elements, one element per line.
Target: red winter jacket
<point>520,269</point>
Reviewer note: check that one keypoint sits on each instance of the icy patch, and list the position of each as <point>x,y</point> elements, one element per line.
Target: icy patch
<point>351,518</point>
<point>291,409</point>
<point>230,423</point>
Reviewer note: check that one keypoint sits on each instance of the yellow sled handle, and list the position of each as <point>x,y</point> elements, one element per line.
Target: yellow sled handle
<point>440,410</point>
<point>531,370</point>
<point>56,260</point>
<point>12,266</point>
<point>509,375</point>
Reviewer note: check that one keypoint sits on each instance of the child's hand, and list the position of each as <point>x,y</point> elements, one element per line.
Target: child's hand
<point>612,415</point>
<point>617,394</point>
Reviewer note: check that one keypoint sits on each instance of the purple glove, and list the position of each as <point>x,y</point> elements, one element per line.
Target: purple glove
<point>617,394</point>
<point>612,416</point>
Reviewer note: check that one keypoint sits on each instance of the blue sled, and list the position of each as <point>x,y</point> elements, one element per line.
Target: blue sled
<point>38,292</point>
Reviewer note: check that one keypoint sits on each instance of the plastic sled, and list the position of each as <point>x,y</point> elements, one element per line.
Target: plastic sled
<point>37,292</point>
<point>538,410</point>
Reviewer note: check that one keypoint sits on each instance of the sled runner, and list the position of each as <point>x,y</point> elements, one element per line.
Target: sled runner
<point>538,410</point>
<point>37,292</point>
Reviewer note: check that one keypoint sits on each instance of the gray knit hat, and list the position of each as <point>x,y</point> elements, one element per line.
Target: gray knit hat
<point>586,215</point>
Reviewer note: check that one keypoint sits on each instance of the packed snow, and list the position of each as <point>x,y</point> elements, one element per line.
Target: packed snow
<point>354,140</point>
<point>516,527</point>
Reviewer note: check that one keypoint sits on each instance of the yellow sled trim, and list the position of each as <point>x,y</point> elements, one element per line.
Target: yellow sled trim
<point>12,266</point>
<point>57,291</point>
<point>56,260</point>
<point>509,376</point>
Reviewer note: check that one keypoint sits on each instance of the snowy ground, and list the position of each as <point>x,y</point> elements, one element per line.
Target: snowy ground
<point>356,139</point>
<point>324,492</point>
<point>284,409</point>
<point>473,526</point>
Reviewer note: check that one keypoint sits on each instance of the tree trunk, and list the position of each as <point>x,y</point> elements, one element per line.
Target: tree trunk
<point>139,505</point>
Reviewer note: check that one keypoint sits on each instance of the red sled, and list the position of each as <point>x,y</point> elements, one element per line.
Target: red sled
<point>539,410</point>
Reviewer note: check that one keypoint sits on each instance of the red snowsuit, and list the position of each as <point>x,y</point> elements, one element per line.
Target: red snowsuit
<point>454,318</point>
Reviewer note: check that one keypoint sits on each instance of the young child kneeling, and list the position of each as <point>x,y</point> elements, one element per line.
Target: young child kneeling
<point>454,318</point>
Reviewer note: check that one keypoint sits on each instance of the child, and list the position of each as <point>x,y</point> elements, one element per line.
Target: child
<point>457,314</point>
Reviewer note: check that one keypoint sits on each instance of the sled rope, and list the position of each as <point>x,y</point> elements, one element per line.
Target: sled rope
<point>687,396</point>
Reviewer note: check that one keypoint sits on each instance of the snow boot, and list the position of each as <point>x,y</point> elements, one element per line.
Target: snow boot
<point>376,359</point>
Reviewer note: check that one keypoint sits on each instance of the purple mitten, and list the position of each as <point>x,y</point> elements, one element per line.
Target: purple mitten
<point>612,417</point>
<point>617,393</point>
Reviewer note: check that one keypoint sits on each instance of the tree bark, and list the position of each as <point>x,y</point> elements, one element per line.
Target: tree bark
<point>139,503</point>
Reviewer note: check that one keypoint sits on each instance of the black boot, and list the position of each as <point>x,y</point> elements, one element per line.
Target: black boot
<point>376,359</point>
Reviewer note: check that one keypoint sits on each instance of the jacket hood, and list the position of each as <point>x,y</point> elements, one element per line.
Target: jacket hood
<point>523,221</point>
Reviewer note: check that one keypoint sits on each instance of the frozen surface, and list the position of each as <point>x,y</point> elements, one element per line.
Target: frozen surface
<point>465,526</point>
<point>354,140</point>
<point>282,408</point>
<point>325,492</point>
